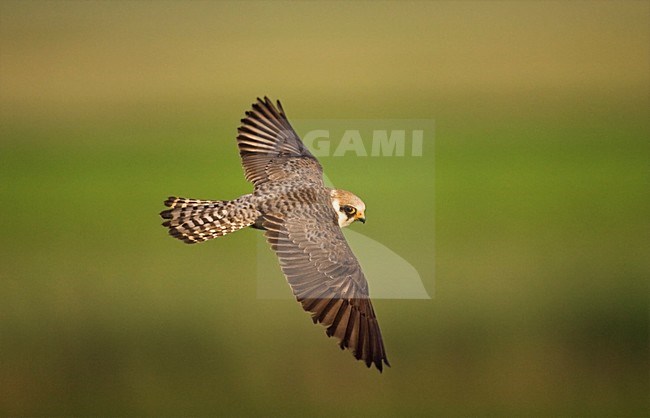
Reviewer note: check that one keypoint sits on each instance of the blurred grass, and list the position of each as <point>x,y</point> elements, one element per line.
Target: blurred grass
<point>540,207</point>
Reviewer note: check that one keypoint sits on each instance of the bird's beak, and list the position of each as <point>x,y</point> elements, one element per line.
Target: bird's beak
<point>361,218</point>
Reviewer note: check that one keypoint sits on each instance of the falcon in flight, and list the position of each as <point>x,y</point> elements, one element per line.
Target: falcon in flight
<point>302,220</point>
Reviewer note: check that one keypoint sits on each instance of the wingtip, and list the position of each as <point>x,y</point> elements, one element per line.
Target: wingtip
<point>379,364</point>
<point>266,101</point>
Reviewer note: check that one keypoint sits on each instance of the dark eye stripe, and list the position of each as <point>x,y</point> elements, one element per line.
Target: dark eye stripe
<point>348,210</point>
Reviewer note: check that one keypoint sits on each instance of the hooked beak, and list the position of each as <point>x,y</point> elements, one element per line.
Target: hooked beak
<point>361,218</point>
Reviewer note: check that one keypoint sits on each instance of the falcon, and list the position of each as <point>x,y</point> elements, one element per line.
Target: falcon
<point>301,220</point>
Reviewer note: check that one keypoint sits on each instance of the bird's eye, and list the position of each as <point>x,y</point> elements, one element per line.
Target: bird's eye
<point>349,210</point>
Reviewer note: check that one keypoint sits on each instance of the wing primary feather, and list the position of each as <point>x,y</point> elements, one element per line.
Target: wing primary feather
<point>249,129</point>
<point>331,330</point>
<point>352,331</point>
<point>361,340</point>
<point>323,307</point>
<point>262,109</point>
<point>252,120</point>
<point>331,312</point>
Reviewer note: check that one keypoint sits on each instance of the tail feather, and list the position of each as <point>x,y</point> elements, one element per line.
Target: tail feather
<point>192,220</point>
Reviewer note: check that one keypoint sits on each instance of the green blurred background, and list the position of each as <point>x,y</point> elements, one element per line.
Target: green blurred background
<point>540,167</point>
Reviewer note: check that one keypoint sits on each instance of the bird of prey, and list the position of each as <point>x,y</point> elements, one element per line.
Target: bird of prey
<point>302,220</point>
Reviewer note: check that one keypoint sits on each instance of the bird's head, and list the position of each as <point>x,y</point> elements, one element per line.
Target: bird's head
<point>348,207</point>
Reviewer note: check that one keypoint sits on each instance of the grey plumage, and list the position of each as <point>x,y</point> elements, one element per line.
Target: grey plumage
<point>302,220</point>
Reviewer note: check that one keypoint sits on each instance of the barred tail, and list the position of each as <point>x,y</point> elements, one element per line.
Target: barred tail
<point>192,220</point>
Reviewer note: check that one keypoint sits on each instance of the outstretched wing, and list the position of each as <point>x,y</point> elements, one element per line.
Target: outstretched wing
<point>326,278</point>
<point>271,150</point>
